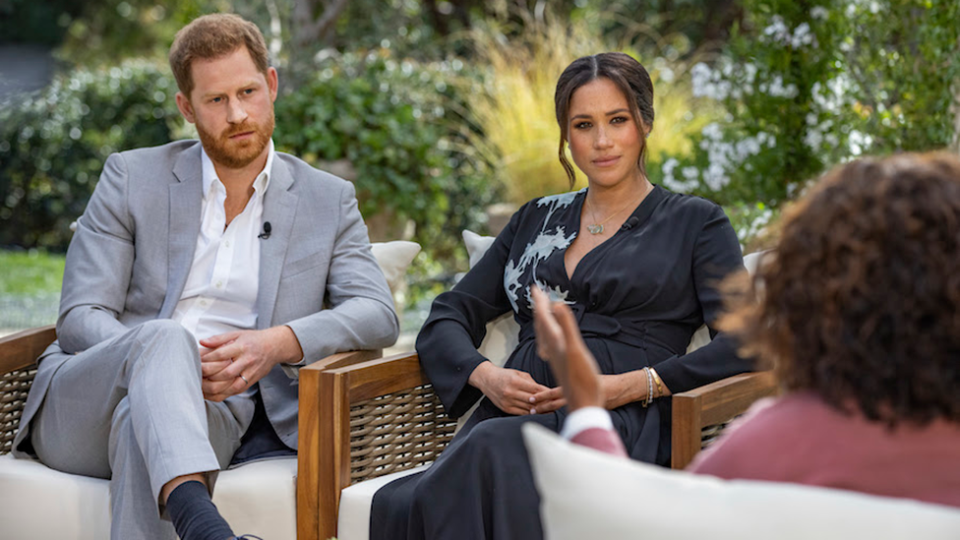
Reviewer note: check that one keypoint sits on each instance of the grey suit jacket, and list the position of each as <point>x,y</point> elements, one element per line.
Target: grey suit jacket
<point>129,259</point>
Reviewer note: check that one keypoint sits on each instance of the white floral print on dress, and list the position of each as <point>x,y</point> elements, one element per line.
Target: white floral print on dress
<point>546,242</point>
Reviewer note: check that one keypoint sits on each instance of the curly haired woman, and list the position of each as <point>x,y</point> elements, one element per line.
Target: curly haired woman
<point>858,312</point>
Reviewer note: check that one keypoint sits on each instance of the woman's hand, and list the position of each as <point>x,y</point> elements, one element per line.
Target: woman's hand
<point>560,343</point>
<point>511,390</point>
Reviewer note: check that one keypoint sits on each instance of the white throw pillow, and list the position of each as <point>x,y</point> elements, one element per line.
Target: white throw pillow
<point>394,258</point>
<point>503,333</point>
<point>588,494</point>
<point>477,245</point>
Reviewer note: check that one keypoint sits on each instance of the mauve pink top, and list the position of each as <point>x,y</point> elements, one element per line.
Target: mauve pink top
<point>799,438</point>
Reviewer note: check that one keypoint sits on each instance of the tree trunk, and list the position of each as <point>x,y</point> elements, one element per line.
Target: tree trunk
<point>314,22</point>
<point>312,28</point>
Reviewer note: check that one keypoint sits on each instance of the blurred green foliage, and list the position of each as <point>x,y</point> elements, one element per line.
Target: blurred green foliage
<point>400,124</point>
<point>807,85</point>
<point>902,61</point>
<point>106,32</point>
<point>799,86</point>
<point>53,144</point>
<point>30,21</point>
<point>109,31</point>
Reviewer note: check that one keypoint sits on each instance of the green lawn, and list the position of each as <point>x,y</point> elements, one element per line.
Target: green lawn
<point>28,273</point>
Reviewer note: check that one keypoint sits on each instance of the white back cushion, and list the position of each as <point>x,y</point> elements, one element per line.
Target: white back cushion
<point>588,494</point>
<point>393,259</point>
<point>503,333</point>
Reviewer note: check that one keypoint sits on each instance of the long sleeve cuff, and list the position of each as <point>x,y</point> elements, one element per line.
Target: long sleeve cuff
<point>583,419</point>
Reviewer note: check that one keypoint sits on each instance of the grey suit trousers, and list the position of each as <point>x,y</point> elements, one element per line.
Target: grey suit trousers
<point>131,409</point>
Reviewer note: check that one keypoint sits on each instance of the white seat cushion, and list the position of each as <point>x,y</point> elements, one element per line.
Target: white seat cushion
<point>260,498</point>
<point>588,494</point>
<point>353,523</point>
<point>39,503</point>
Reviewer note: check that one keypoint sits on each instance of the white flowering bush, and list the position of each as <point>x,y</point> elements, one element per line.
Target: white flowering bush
<point>806,85</point>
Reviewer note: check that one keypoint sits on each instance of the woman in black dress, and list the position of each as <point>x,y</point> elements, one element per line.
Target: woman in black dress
<point>637,264</point>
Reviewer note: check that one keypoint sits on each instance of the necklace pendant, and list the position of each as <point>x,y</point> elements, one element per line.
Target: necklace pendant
<point>595,228</point>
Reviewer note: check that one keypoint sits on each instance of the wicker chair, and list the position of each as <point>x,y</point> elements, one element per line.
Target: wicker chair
<point>362,417</point>
<point>381,416</point>
<point>18,354</point>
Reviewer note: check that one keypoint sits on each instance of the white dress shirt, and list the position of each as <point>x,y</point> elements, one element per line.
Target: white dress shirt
<point>583,419</point>
<point>221,290</point>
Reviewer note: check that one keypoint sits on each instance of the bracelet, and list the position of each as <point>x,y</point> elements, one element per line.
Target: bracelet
<point>656,378</point>
<point>649,398</point>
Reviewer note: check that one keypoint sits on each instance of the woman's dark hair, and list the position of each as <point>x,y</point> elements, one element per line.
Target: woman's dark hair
<point>625,72</point>
<point>860,300</point>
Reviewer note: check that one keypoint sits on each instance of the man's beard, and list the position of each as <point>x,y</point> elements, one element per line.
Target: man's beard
<point>237,154</point>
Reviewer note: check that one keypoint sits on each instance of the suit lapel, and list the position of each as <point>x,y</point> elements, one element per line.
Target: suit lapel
<point>186,201</point>
<point>279,208</point>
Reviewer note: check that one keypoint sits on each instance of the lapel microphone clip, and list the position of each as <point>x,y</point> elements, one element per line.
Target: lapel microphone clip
<point>266,231</point>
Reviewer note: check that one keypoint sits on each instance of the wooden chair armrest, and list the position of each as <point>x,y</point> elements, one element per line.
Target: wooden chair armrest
<point>19,350</point>
<point>712,404</point>
<point>343,359</point>
<point>326,395</point>
<point>18,356</point>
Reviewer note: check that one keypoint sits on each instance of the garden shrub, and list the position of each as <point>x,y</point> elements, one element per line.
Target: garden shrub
<point>396,121</point>
<point>807,85</point>
<point>53,144</point>
<point>401,126</point>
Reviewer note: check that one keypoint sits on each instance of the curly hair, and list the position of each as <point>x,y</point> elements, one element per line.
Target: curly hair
<point>860,300</point>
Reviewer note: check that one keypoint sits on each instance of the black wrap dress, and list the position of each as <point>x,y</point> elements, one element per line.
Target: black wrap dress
<point>638,297</point>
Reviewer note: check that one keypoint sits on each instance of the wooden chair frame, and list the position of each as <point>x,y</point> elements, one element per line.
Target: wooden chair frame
<point>335,391</point>
<point>700,414</point>
<point>330,388</point>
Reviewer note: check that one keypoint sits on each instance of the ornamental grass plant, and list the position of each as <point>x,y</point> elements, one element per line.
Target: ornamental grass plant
<point>514,106</point>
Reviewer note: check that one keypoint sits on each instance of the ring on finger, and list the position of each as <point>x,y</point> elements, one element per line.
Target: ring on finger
<point>244,379</point>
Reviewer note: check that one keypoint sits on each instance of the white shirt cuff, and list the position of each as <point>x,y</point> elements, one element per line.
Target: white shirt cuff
<point>583,419</point>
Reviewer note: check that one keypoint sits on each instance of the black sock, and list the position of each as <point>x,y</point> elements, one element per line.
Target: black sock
<point>194,515</point>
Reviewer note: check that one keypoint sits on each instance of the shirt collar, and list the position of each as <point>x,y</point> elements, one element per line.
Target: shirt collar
<point>261,183</point>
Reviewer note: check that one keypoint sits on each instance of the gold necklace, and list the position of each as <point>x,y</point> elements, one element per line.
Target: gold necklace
<point>597,228</point>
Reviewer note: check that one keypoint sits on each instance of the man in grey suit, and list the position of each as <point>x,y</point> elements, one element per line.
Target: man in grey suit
<point>200,276</point>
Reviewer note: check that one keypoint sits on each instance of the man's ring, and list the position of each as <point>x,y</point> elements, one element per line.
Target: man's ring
<point>244,379</point>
